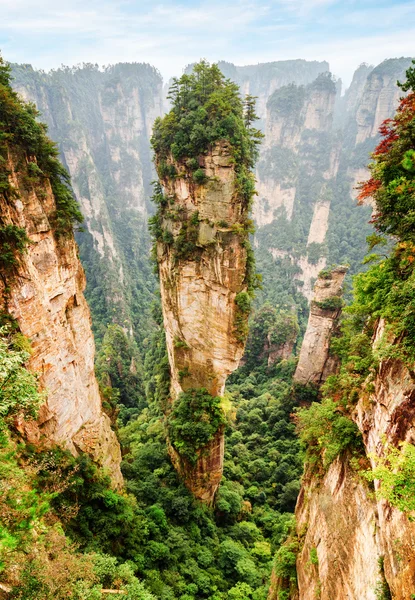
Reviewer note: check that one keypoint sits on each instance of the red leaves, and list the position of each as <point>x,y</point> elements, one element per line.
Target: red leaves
<point>390,132</point>
<point>368,189</point>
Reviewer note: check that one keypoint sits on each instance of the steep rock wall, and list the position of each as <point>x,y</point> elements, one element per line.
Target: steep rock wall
<point>102,120</point>
<point>198,295</point>
<point>46,298</point>
<point>315,152</point>
<point>298,149</point>
<point>263,79</point>
<point>314,364</point>
<point>361,541</point>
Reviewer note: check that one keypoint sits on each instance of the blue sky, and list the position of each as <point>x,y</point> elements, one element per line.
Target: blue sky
<point>172,33</point>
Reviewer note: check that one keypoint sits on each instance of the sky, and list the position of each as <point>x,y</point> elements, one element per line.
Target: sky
<point>173,33</point>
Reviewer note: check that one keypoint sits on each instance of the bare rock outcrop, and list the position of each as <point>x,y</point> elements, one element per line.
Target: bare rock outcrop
<point>199,292</point>
<point>46,298</point>
<point>363,544</point>
<point>315,364</point>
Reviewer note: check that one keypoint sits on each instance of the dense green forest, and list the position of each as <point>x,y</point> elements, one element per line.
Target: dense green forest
<point>64,531</point>
<point>154,530</point>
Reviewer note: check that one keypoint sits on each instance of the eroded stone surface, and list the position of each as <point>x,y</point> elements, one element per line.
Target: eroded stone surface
<point>198,298</point>
<point>314,364</point>
<point>349,527</point>
<point>46,299</point>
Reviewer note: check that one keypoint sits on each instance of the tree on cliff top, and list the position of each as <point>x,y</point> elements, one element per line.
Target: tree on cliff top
<point>206,108</point>
<point>23,135</point>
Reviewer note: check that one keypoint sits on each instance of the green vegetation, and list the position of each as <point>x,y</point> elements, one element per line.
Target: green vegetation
<point>382,589</point>
<point>386,289</point>
<point>22,137</point>
<point>269,328</point>
<point>327,432</point>
<point>243,309</point>
<point>207,108</point>
<point>313,556</point>
<point>18,387</point>
<point>333,303</point>
<point>13,244</point>
<point>193,422</point>
<point>120,372</point>
<point>395,473</point>
<point>36,559</point>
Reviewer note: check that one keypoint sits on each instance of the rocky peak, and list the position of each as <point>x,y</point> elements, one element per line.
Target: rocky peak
<point>380,96</point>
<point>315,365</point>
<point>202,276</point>
<point>41,287</point>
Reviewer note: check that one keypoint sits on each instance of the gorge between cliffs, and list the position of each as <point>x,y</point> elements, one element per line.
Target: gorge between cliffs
<point>204,393</point>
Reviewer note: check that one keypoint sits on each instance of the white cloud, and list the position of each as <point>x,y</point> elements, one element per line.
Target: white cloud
<point>171,34</point>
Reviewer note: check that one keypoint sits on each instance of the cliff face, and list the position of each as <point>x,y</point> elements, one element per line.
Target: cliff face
<point>199,293</point>
<point>315,364</point>
<point>315,151</point>
<point>45,296</point>
<point>263,79</point>
<point>361,542</point>
<point>101,120</point>
<point>380,97</point>
<point>299,148</point>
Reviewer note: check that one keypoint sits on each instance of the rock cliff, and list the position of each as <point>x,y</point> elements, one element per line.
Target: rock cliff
<point>41,287</point>
<point>102,120</point>
<point>363,544</point>
<point>315,363</point>
<point>199,291</point>
<point>298,149</point>
<point>315,151</point>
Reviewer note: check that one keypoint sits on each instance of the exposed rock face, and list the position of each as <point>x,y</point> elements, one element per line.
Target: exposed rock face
<point>298,150</point>
<point>102,120</point>
<point>350,529</point>
<point>315,151</point>
<point>354,93</point>
<point>380,97</point>
<point>315,365</point>
<point>46,298</point>
<point>198,297</point>
<point>340,521</point>
<point>263,79</point>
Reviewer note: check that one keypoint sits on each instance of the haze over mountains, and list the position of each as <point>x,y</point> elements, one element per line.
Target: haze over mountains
<point>317,143</point>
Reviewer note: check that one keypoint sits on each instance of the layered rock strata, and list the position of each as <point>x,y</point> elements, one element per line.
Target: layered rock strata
<point>315,363</point>
<point>199,291</point>
<point>46,298</point>
<point>102,120</point>
<point>364,545</point>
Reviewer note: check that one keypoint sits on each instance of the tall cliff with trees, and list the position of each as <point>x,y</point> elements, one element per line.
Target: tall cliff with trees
<point>205,149</point>
<point>51,422</point>
<point>42,283</point>
<point>102,121</point>
<point>355,533</point>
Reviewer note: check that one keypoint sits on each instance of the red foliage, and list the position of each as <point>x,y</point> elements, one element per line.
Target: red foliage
<point>368,188</point>
<point>389,130</point>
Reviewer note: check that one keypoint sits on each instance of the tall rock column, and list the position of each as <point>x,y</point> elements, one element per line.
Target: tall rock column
<point>314,365</point>
<point>41,287</point>
<point>205,263</point>
<point>202,279</point>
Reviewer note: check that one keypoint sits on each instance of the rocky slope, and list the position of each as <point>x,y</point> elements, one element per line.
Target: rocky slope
<point>102,120</point>
<point>42,289</point>
<point>360,542</point>
<point>199,292</point>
